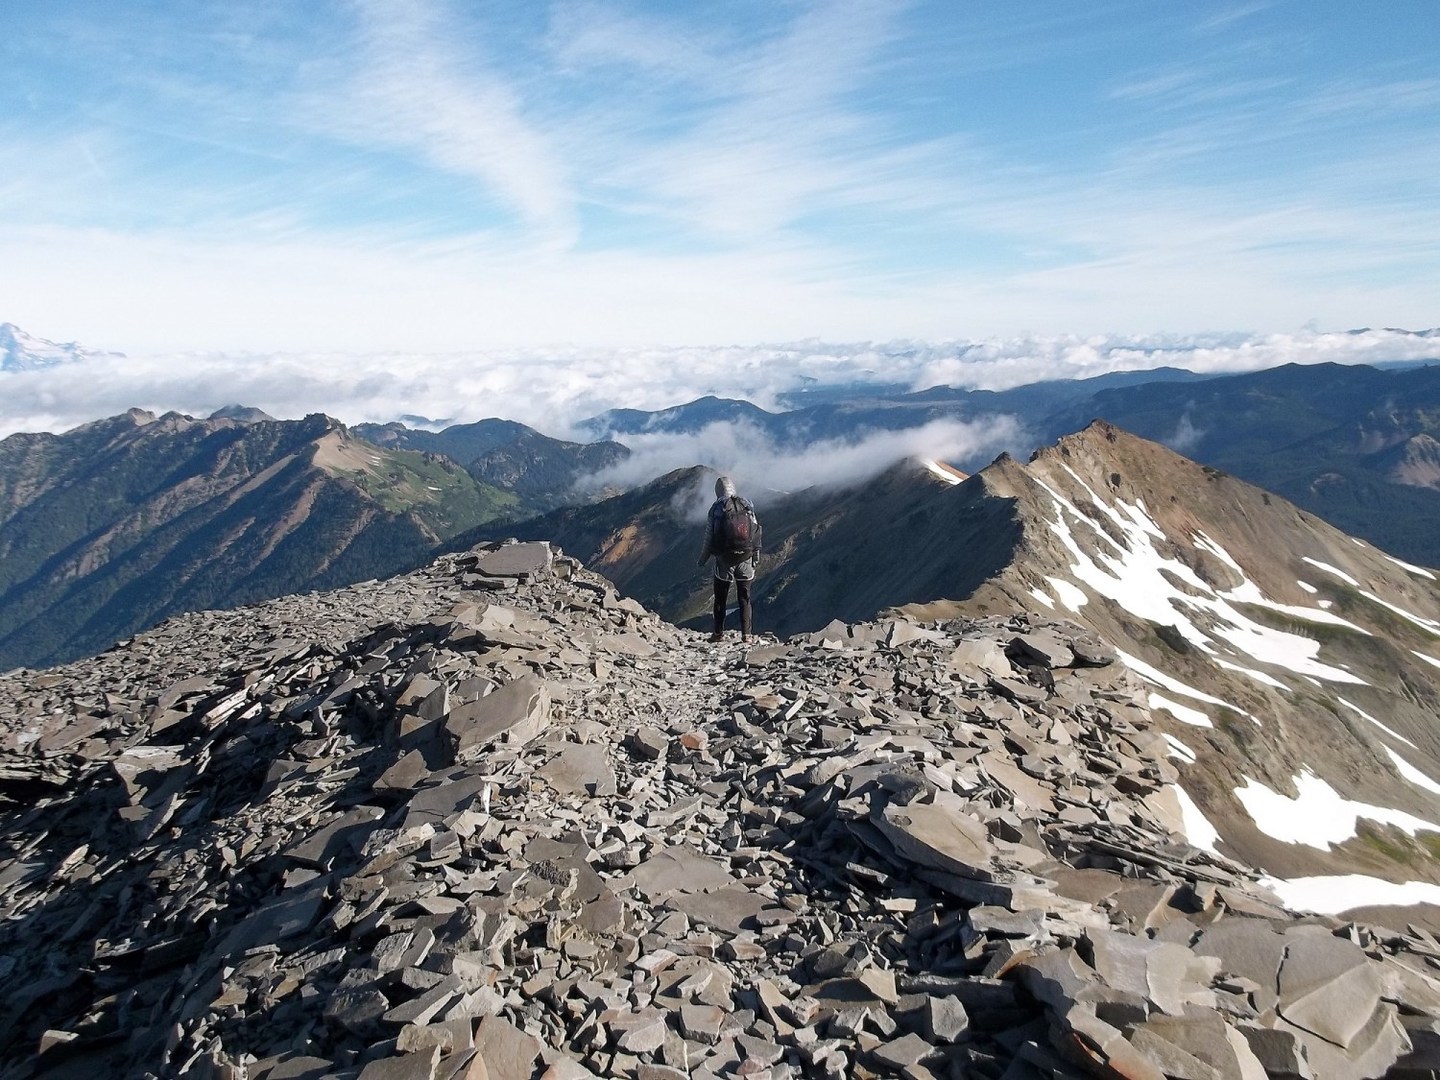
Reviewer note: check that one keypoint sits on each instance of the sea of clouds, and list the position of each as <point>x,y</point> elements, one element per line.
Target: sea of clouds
<point>553,389</point>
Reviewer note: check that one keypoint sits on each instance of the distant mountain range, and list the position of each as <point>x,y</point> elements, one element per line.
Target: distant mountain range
<point>1292,663</point>
<point>106,529</point>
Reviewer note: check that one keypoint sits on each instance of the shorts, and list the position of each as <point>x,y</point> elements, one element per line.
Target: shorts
<point>744,571</point>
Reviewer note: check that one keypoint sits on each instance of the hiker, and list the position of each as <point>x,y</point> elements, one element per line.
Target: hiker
<point>732,536</point>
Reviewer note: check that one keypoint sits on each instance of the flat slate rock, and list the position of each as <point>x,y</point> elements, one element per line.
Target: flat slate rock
<point>516,560</point>
<point>679,869</point>
<point>937,836</point>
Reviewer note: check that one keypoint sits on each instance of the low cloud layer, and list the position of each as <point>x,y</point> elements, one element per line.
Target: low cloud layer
<point>552,389</point>
<point>761,469</point>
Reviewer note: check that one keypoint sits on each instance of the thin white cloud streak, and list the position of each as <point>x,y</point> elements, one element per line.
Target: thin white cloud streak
<point>552,389</point>
<point>414,91</point>
<point>762,470</point>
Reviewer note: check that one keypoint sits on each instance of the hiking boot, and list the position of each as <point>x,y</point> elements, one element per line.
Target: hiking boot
<point>717,636</point>
<point>744,639</point>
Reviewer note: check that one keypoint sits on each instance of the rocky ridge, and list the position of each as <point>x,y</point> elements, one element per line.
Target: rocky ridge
<point>491,820</point>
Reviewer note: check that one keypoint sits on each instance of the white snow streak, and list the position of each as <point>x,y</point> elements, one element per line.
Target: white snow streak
<point>1072,597</point>
<point>1425,624</point>
<point>1331,570</point>
<point>1258,676</point>
<point>1334,894</point>
<point>1180,750</point>
<point>1198,829</point>
<point>1184,713</point>
<point>1364,715</point>
<point>1043,597</point>
<point>1319,816</point>
<point>1420,570</point>
<point>942,472</point>
<point>1159,678</point>
<point>1411,773</point>
<point>1134,574</point>
<point>1427,659</point>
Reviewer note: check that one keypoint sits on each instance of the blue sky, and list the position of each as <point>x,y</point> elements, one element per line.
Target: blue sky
<point>429,175</point>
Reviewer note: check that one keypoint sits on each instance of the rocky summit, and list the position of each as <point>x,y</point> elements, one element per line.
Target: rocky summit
<point>491,820</point>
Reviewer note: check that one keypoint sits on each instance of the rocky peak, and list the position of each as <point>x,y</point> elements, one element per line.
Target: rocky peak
<point>492,819</point>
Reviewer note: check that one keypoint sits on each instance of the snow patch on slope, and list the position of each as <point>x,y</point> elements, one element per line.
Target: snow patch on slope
<point>1145,671</point>
<point>1411,773</point>
<point>1179,749</point>
<point>1072,597</point>
<point>1184,713</point>
<point>1419,570</point>
<point>1318,816</point>
<point>1330,895</point>
<point>1336,571</point>
<point>943,471</point>
<point>1132,572</point>
<point>1366,716</point>
<point>1198,829</point>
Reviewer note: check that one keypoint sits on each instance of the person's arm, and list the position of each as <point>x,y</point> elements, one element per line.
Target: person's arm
<point>709,547</point>
<point>755,535</point>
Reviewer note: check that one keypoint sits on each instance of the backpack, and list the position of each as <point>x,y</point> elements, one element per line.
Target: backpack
<point>734,538</point>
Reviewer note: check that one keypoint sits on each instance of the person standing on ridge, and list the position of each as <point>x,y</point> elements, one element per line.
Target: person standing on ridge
<point>732,536</point>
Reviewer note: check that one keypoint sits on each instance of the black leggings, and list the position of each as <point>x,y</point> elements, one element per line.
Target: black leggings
<point>742,597</point>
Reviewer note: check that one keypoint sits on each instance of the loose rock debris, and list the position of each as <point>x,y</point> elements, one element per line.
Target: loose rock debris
<point>490,820</point>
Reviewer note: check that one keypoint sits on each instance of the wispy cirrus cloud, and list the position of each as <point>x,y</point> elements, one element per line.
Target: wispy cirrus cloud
<point>414,90</point>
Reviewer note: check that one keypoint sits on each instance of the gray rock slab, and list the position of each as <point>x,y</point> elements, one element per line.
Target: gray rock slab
<point>679,869</point>
<point>417,1066</point>
<point>508,1052</point>
<point>983,656</point>
<point>454,790</point>
<point>406,774</point>
<point>903,1052</point>
<point>729,908</point>
<point>1175,1062</point>
<point>516,713</point>
<point>1015,690</point>
<point>345,833</point>
<point>297,1067</point>
<point>1204,1035</point>
<point>517,560</point>
<point>1028,792</point>
<point>1246,947</point>
<point>936,836</point>
<point>570,852</point>
<point>1042,647</point>
<point>626,644</point>
<point>1280,1053</point>
<point>1372,1050</point>
<point>1328,986</point>
<point>580,769</point>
